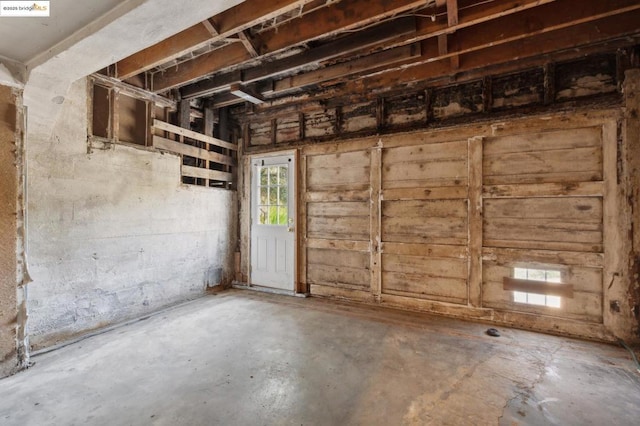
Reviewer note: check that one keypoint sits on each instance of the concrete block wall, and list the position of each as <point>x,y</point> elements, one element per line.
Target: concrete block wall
<point>113,234</point>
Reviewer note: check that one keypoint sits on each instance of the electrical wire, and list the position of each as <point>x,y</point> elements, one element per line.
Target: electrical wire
<point>633,354</point>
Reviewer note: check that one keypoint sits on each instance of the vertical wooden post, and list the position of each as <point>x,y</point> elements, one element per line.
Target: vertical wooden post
<point>151,115</point>
<point>207,124</point>
<point>629,285</point>
<point>475,221</point>
<point>613,273</point>
<point>375,221</point>
<point>115,117</point>
<point>301,225</point>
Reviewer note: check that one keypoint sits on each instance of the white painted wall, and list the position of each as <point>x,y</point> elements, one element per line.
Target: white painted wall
<point>113,234</point>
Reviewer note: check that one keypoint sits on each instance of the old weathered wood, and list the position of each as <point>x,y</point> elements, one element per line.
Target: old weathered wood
<point>338,244</point>
<point>303,240</point>
<point>200,173</point>
<point>368,38</point>
<point>528,256</point>
<point>192,151</point>
<point>348,14</point>
<point>432,193</point>
<point>375,220</point>
<point>475,231</point>
<point>133,91</point>
<point>344,69</point>
<point>615,230</point>
<point>225,24</point>
<point>543,190</point>
<point>199,67</point>
<point>193,135</point>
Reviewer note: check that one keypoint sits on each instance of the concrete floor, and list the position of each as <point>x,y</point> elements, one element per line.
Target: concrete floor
<point>243,358</point>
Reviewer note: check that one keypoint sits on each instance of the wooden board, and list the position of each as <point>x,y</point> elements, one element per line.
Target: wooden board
<point>340,171</point>
<point>338,221</point>
<point>425,221</point>
<point>521,222</point>
<point>567,156</point>
<point>338,268</point>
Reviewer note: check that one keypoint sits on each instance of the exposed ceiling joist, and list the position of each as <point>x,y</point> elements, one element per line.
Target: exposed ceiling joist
<point>335,18</point>
<point>569,37</point>
<point>377,61</point>
<point>228,23</point>
<point>386,33</point>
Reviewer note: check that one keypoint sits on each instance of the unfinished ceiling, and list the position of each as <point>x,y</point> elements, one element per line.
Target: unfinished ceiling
<point>286,51</point>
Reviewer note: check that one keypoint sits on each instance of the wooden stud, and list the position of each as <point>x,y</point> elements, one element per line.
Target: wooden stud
<point>274,131</point>
<point>375,225</point>
<point>303,286</point>
<point>115,116</point>
<point>475,221</point>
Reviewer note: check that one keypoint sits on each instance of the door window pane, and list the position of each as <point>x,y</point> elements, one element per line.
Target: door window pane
<point>273,196</point>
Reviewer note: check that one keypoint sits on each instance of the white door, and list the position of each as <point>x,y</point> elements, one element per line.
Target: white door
<point>273,222</point>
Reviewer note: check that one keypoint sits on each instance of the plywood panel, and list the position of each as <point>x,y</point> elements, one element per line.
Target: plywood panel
<point>425,221</point>
<point>533,222</point>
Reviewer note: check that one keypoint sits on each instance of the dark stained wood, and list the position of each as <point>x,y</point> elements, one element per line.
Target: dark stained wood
<point>365,39</point>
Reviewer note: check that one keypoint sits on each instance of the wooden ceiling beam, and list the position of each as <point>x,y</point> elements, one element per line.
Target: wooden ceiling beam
<point>336,17</point>
<point>385,33</point>
<point>452,12</point>
<point>469,17</point>
<point>224,57</point>
<point>230,22</point>
<point>375,61</point>
<point>548,19</point>
<point>513,49</point>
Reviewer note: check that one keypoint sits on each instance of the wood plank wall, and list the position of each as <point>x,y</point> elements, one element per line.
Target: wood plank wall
<point>435,220</point>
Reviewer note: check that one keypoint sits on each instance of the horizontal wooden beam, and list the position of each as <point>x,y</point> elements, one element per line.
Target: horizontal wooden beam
<point>538,287</point>
<point>191,151</point>
<point>194,69</point>
<point>373,37</point>
<point>161,125</point>
<point>133,91</point>
<point>197,172</point>
<point>336,17</point>
<point>477,52</point>
<point>344,69</point>
<point>236,19</point>
<point>540,190</point>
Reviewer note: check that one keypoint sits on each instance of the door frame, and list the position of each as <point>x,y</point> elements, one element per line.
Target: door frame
<point>295,154</point>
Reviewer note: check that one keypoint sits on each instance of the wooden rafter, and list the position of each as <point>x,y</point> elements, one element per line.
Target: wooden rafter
<point>564,38</point>
<point>388,32</point>
<point>560,26</point>
<point>201,66</point>
<point>228,23</point>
